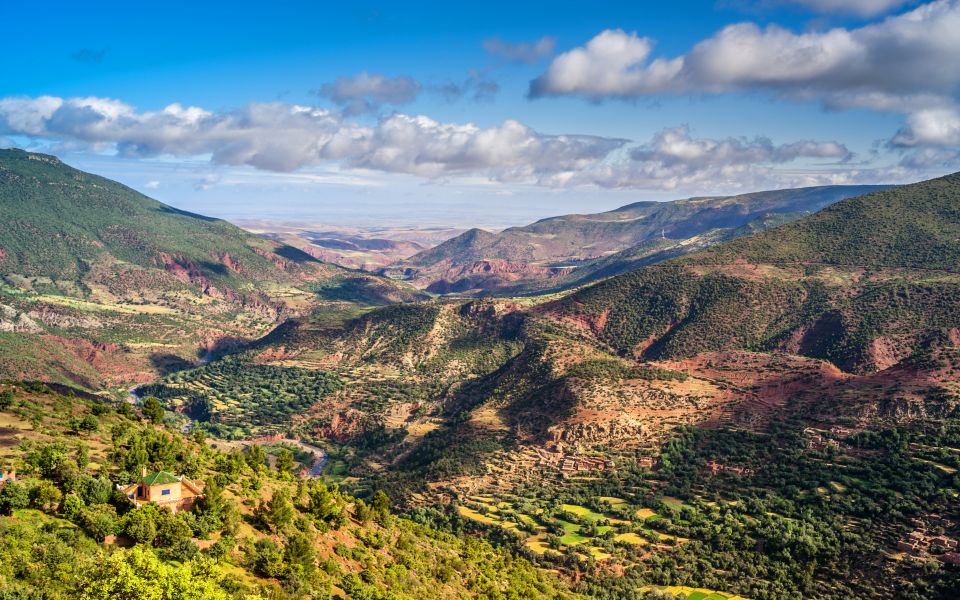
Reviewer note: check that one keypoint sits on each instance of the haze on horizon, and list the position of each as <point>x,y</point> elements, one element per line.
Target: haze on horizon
<point>411,114</point>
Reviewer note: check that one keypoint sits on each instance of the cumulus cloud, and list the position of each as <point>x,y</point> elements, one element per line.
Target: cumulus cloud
<point>936,126</point>
<point>905,63</point>
<point>283,137</point>
<point>863,8</point>
<point>153,184</point>
<point>520,52</point>
<point>367,92</point>
<point>511,151</point>
<point>674,159</point>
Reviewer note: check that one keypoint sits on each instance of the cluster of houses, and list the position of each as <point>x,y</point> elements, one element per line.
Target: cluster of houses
<point>921,542</point>
<point>715,468</point>
<point>572,463</point>
<point>817,440</point>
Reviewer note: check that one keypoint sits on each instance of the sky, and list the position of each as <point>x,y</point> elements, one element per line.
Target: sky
<point>481,114</point>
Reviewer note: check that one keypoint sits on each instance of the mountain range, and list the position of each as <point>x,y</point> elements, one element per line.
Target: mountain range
<point>566,251</point>
<point>753,397</point>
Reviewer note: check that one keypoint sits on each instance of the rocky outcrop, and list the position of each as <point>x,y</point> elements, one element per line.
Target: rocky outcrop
<point>14,321</point>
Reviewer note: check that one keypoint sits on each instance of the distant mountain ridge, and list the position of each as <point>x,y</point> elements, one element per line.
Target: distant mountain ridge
<point>575,249</point>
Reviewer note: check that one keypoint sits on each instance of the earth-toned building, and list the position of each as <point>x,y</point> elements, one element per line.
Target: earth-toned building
<point>164,489</point>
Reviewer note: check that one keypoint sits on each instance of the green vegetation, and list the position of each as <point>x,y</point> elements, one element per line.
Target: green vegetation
<point>234,393</point>
<point>253,534</point>
<point>914,226</point>
<point>92,218</point>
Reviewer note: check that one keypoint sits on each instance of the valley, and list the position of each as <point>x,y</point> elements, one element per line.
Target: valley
<point>480,301</point>
<point>763,417</point>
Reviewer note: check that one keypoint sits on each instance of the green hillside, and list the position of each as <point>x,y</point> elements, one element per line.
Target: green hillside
<point>61,223</point>
<point>916,226</point>
<point>857,284</point>
<point>258,532</point>
<point>101,285</point>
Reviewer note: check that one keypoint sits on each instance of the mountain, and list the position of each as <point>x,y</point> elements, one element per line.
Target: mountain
<point>100,283</point>
<point>859,284</point>
<point>70,230</point>
<point>570,250</point>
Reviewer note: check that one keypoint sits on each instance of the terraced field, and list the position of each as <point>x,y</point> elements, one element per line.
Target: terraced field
<point>573,528</point>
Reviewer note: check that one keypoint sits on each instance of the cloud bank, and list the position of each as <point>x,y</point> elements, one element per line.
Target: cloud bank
<point>282,137</point>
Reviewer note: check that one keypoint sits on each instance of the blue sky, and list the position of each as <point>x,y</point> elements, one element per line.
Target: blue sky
<point>481,113</point>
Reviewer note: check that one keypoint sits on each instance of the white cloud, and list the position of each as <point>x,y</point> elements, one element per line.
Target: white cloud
<point>367,92</point>
<point>863,8</point>
<point>279,137</point>
<point>936,126</point>
<point>520,52</point>
<point>152,184</point>
<point>905,63</point>
<point>284,137</point>
<point>512,151</point>
<point>674,159</point>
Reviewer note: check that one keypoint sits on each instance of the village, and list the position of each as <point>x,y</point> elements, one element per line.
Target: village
<point>924,543</point>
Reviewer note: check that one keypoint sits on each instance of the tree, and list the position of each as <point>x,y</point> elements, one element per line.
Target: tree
<point>380,503</point>
<point>280,510</point>
<point>172,530</point>
<point>72,507</point>
<point>153,409</point>
<point>13,495</point>
<point>256,457</point>
<point>285,463</point>
<point>323,503</point>
<point>140,525</point>
<point>299,551</point>
<point>99,521</point>
<point>139,574</point>
<point>210,509</point>
<point>6,399</point>
<point>83,456</point>
<point>45,496</point>
<point>266,559</point>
